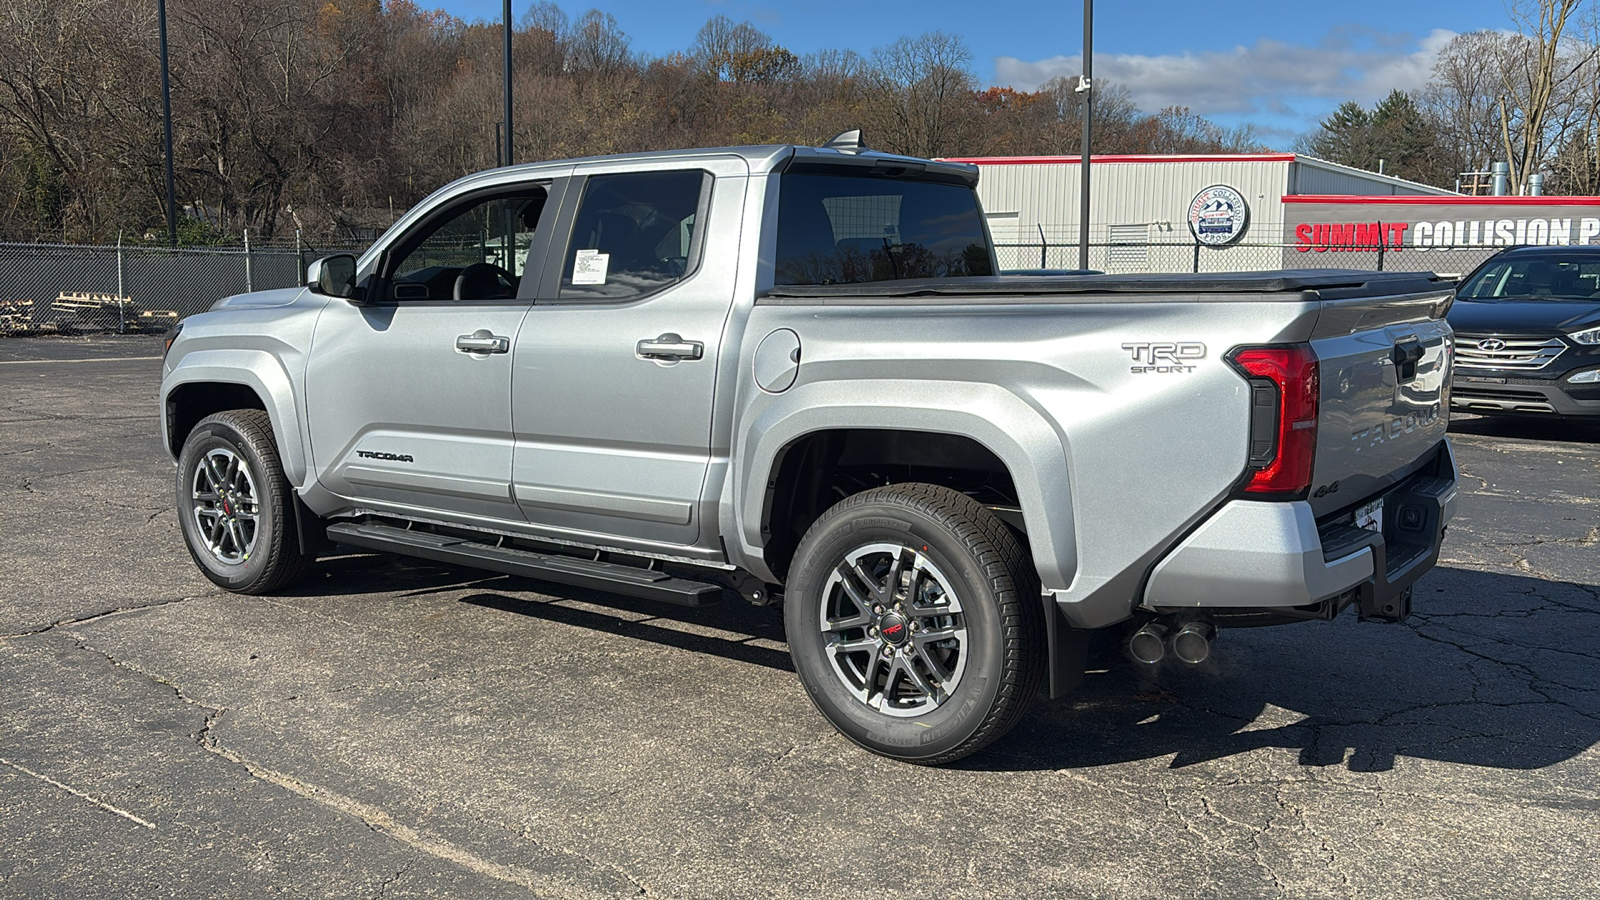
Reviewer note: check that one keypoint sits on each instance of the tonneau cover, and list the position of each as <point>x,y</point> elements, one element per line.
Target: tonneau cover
<point>1328,283</point>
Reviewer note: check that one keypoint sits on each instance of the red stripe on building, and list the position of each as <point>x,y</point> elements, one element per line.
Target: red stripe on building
<point>1441,200</point>
<point>1095,160</point>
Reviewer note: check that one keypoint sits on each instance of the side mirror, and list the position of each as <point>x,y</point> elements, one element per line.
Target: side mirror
<point>334,276</point>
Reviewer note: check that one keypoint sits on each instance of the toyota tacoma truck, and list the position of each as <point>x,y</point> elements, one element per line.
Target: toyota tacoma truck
<point>790,373</point>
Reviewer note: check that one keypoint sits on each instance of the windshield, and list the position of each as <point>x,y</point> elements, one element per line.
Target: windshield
<point>1545,277</point>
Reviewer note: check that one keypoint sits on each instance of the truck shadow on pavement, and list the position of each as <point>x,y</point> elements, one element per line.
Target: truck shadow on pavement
<point>1491,670</point>
<point>708,630</point>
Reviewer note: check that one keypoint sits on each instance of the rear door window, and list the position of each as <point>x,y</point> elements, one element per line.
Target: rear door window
<point>845,229</point>
<point>634,234</point>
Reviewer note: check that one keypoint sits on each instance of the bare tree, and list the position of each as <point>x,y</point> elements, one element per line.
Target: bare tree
<point>73,96</point>
<point>922,91</point>
<point>1462,98</point>
<point>597,46</point>
<point>1535,104</point>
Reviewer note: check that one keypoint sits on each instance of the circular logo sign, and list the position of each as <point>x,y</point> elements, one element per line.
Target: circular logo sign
<point>1218,215</point>
<point>1491,345</point>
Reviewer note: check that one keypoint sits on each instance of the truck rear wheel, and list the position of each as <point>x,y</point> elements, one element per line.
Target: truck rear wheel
<point>914,621</point>
<point>234,504</point>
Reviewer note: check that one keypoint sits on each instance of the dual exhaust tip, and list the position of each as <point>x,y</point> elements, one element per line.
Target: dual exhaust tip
<point>1190,642</point>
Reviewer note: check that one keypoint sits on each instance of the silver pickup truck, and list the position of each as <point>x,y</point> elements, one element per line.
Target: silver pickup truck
<point>791,373</point>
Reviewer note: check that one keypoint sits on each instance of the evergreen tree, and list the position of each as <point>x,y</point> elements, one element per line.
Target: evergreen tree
<point>1395,134</point>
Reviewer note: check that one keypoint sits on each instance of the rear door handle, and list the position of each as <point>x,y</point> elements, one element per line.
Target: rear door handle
<point>483,341</point>
<point>670,347</point>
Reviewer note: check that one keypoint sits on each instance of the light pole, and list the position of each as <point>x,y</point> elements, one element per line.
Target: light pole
<point>166,114</point>
<point>1085,87</point>
<point>508,82</point>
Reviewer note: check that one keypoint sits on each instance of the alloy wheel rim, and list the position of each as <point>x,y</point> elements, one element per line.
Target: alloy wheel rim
<point>225,505</point>
<point>894,633</point>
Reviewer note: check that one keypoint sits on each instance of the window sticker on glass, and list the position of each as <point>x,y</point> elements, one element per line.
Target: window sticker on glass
<point>590,267</point>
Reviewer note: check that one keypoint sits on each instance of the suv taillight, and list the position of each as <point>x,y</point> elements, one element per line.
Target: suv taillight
<point>1283,416</point>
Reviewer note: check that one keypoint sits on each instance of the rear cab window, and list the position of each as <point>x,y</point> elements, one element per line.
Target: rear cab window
<point>841,227</point>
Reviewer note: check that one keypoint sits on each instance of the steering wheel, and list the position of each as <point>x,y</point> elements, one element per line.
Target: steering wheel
<point>474,278</point>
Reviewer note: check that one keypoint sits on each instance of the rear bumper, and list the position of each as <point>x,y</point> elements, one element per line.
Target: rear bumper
<point>1276,557</point>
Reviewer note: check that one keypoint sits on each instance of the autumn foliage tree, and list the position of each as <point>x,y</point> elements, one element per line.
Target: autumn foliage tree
<point>326,118</point>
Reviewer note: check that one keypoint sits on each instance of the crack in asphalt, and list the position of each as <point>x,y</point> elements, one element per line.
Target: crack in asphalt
<point>374,818</point>
<point>383,886</point>
<point>1483,483</point>
<point>525,833</point>
<point>28,480</point>
<point>1529,678</point>
<point>93,617</point>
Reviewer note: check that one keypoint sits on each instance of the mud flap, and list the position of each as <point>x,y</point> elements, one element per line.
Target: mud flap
<point>309,530</point>
<point>1066,651</point>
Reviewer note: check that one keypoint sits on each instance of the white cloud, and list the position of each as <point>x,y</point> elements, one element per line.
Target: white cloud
<point>1266,77</point>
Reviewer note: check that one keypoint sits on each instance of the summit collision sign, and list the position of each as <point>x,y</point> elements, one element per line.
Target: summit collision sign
<point>1328,230</point>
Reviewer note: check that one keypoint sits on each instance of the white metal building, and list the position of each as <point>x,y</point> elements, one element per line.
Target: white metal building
<point>1141,207</point>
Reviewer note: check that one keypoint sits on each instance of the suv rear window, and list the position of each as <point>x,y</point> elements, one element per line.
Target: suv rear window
<point>846,229</point>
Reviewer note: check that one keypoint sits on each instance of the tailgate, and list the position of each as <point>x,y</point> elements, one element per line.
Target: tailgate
<point>1385,370</point>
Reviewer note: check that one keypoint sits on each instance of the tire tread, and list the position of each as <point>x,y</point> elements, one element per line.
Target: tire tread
<point>285,564</point>
<point>1002,559</point>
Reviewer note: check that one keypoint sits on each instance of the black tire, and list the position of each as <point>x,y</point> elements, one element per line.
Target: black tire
<point>972,689</point>
<point>236,553</point>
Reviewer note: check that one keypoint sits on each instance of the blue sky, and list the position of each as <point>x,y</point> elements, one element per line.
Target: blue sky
<point>1281,66</point>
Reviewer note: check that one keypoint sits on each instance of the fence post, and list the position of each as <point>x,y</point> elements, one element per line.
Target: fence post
<point>1382,243</point>
<point>248,285</point>
<point>1044,247</point>
<point>122,303</point>
<point>1197,256</point>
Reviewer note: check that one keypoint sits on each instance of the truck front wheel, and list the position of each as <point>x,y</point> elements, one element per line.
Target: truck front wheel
<point>914,621</point>
<point>234,504</point>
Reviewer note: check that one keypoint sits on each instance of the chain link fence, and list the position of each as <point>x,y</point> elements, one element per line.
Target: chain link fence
<point>67,288</point>
<point>77,289</point>
<point>1128,249</point>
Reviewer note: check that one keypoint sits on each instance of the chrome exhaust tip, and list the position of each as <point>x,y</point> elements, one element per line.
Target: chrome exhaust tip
<point>1149,644</point>
<point>1192,642</point>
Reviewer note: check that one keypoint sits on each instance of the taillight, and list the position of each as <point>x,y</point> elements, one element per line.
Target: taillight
<point>1283,416</point>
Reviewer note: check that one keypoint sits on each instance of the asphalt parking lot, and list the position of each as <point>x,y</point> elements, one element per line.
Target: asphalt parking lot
<point>397,728</point>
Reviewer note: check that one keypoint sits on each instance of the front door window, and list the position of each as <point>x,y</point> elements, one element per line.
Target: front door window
<point>476,252</point>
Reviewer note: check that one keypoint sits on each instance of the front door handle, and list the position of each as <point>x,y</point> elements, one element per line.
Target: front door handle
<point>671,347</point>
<point>483,341</point>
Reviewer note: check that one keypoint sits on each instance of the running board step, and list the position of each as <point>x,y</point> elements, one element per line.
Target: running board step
<point>601,576</point>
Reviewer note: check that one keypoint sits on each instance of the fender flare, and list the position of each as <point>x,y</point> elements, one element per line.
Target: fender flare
<point>263,373</point>
<point>1013,429</point>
